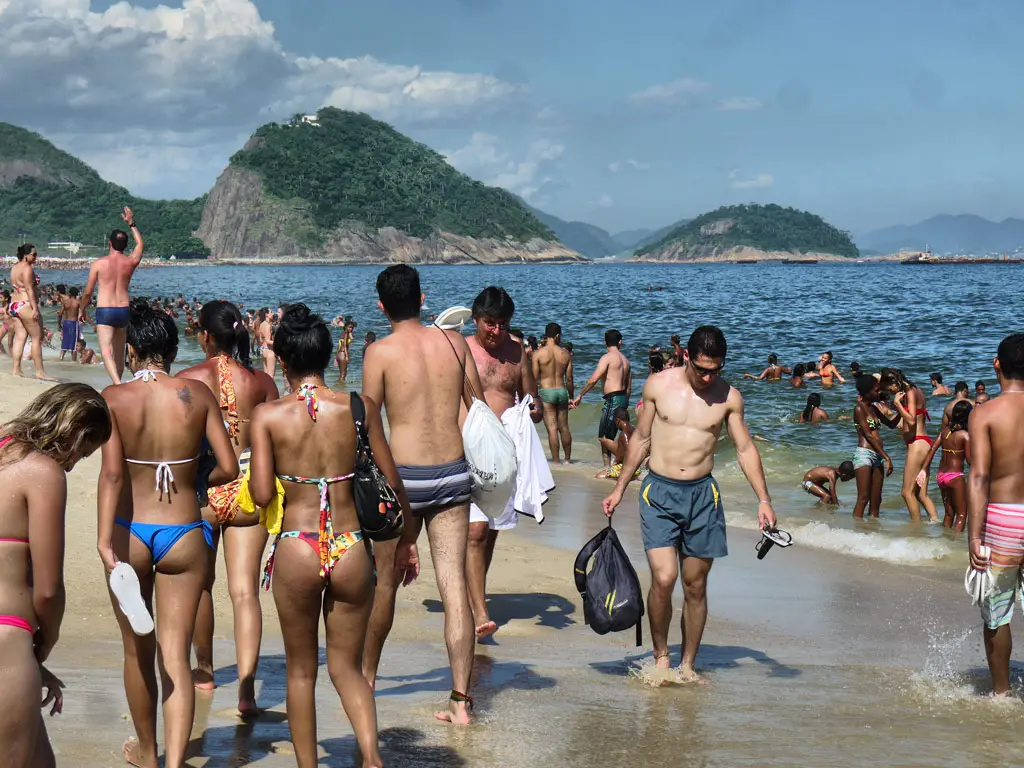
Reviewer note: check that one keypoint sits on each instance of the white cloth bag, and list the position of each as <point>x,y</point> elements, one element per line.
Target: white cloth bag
<point>491,456</point>
<point>533,478</point>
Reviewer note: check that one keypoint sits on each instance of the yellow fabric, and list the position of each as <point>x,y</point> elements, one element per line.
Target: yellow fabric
<point>272,515</point>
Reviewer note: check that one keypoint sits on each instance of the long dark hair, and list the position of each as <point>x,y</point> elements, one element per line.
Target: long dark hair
<point>959,415</point>
<point>813,401</point>
<point>224,323</point>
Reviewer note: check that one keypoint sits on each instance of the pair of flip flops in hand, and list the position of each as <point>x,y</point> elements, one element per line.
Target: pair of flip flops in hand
<point>771,537</point>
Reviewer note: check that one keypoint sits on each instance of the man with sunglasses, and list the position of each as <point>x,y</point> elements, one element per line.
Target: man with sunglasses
<point>681,515</point>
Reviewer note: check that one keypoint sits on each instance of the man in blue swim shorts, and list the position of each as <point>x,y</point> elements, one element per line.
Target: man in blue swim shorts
<point>113,272</point>
<point>681,513</point>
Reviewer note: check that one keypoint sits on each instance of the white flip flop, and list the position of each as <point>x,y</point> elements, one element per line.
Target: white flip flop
<point>979,584</point>
<point>124,583</point>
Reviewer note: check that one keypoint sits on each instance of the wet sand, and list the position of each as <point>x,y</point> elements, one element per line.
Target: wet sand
<point>814,658</point>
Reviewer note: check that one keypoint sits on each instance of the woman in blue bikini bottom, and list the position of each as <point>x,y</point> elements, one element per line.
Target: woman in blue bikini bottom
<point>149,518</point>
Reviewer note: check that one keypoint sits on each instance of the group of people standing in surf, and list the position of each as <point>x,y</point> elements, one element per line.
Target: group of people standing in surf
<point>214,456</point>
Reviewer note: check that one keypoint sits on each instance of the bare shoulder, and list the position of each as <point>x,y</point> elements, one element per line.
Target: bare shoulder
<point>42,468</point>
<point>733,398</point>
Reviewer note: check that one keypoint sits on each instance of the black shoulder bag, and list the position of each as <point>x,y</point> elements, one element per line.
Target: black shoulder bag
<point>380,514</point>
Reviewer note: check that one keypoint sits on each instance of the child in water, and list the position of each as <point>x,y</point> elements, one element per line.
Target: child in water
<point>955,444</point>
<point>821,481</point>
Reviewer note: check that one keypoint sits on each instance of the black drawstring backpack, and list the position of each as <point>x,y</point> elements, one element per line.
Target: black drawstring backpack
<point>609,586</point>
<point>380,514</point>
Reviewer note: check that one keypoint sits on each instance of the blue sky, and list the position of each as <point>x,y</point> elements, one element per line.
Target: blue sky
<point>622,114</point>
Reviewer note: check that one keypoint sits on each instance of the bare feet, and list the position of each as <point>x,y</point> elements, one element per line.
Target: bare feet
<point>44,377</point>
<point>133,755</point>
<point>457,712</point>
<point>247,708</point>
<point>203,680</point>
<point>688,674</point>
<point>661,660</point>
<point>486,629</point>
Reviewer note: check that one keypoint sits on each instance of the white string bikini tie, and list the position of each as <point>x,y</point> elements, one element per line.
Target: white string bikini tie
<point>164,474</point>
<point>147,374</point>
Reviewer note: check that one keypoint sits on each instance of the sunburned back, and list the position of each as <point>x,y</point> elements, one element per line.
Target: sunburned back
<point>162,420</point>
<point>324,448</point>
<point>423,380</point>
<point>686,425</point>
<point>1003,419</point>
<point>114,272</point>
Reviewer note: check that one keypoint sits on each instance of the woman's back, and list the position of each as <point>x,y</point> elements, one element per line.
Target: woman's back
<point>311,450</point>
<point>238,392</point>
<point>161,423</point>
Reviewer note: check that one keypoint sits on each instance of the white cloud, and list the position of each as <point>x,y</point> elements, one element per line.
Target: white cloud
<point>677,92</point>
<point>604,201</point>
<point>739,104</point>
<point>757,182</point>
<point>482,159</point>
<point>636,165</point>
<point>129,74</point>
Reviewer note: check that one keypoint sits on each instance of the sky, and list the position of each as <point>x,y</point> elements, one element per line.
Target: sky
<point>623,114</point>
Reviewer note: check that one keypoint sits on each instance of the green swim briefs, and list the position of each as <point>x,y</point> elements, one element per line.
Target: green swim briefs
<point>556,396</point>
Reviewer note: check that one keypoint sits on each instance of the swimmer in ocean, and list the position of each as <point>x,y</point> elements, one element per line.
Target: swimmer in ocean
<point>938,388</point>
<point>980,395</point>
<point>813,412</point>
<point>828,371</point>
<point>773,372</point>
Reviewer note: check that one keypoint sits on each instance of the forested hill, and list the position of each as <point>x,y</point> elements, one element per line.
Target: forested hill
<point>48,195</point>
<point>346,168</point>
<point>767,228</point>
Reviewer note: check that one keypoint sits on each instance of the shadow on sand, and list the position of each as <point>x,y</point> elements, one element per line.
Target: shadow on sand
<point>709,657</point>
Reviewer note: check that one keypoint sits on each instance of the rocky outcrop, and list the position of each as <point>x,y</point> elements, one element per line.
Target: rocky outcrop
<point>12,170</point>
<point>673,253</point>
<point>241,222</point>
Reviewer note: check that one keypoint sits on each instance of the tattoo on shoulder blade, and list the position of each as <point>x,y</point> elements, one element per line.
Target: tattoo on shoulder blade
<point>185,396</point>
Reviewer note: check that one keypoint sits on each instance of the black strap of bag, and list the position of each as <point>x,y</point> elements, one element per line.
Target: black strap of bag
<point>380,514</point>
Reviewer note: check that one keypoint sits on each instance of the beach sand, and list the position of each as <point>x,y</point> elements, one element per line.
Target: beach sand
<point>814,659</point>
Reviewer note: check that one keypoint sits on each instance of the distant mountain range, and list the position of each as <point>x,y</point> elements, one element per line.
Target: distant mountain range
<point>597,243</point>
<point>965,233</point>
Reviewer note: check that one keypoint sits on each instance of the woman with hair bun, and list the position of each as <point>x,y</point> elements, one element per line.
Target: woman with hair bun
<point>320,564</point>
<point>228,373</point>
<point>38,447</point>
<point>149,518</point>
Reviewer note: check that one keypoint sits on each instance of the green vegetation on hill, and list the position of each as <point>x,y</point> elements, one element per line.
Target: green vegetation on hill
<point>352,170</point>
<point>766,227</point>
<point>65,199</point>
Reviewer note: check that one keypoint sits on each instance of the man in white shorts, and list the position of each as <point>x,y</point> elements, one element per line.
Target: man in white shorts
<point>506,377</point>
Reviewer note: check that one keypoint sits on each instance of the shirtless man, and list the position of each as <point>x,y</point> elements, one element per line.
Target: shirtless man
<point>616,375</point>
<point>938,388</point>
<point>680,503</point>
<point>506,377</point>
<point>113,272</point>
<point>995,499</point>
<point>773,372</point>
<point>980,395</point>
<point>70,325</point>
<point>960,391</point>
<point>416,373</point>
<point>552,368</point>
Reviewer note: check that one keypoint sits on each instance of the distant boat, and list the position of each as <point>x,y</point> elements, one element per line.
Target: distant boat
<point>799,261</point>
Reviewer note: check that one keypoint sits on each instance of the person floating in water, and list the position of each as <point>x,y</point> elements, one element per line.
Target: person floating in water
<point>938,388</point>
<point>995,505</point>
<point>813,413</point>
<point>821,482</point>
<point>980,395</point>
<point>955,444</point>
<point>773,372</point>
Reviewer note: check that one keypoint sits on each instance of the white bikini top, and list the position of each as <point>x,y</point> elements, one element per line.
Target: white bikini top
<point>164,474</point>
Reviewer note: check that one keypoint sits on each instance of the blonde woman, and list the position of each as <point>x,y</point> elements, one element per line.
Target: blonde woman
<point>37,448</point>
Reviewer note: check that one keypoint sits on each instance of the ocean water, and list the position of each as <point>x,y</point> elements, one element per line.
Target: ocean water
<point>920,319</point>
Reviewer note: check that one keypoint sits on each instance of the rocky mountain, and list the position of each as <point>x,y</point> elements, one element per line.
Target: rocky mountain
<point>965,233</point>
<point>48,195</point>
<point>341,186</point>
<point>590,240</point>
<point>749,231</point>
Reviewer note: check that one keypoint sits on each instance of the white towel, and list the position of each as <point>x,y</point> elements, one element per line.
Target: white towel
<point>533,475</point>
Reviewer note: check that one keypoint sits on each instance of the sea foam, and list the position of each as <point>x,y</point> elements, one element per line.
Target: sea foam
<point>872,545</point>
